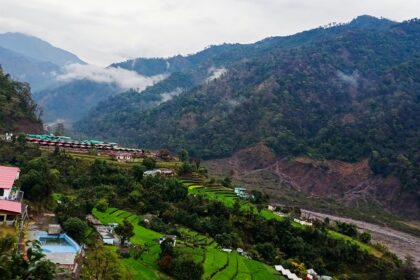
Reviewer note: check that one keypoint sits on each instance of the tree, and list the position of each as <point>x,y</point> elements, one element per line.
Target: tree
<point>102,264</point>
<point>183,155</point>
<point>102,205</point>
<point>149,163</point>
<point>365,237</point>
<point>76,228</point>
<point>186,168</point>
<point>125,231</point>
<point>14,266</point>
<point>187,269</point>
<point>137,171</point>
<point>409,269</point>
<point>258,197</point>
<point>226,182</point>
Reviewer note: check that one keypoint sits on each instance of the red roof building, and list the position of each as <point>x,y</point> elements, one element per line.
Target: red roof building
<point>8,175</point>
<point>10,196</point>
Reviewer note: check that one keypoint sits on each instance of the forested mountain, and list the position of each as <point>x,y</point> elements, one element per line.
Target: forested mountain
<point>348,93</point>
<point>194,69</point>
<point>72,100</point>
<point>38,74</point>
<point>17,110</point>
<point>186,72</point>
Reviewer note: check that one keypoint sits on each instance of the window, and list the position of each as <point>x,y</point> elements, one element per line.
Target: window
<point>10,217</point>
<point>1,192</point>
<point>2,218</point>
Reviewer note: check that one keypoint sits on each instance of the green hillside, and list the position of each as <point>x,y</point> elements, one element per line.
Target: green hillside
<point>348,94</point>
<point>17,110</point>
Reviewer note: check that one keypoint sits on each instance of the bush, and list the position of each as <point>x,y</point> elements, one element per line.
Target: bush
<point>75,228</point>
<point>149,163</point>
<point>102,205</point>
<point>124,253</point>
<point>187,269</point>
<point>365,237</point>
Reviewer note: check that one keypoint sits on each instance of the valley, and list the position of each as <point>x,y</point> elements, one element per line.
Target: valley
<point>292,157</point>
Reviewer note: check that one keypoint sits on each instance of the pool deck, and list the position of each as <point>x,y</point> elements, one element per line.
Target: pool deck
<point>61,258</point>
<point>63,255</point>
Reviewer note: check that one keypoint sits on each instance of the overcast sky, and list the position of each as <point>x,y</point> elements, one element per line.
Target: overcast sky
<point>105,31</point>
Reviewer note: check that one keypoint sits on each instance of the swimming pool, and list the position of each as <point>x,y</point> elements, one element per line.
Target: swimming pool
<point>57,243</point>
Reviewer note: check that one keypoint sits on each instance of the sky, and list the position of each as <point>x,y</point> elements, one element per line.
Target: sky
<point>101,32</point>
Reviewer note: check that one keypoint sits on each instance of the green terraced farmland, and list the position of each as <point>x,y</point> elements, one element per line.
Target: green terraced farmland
<point>146,268</point>
<point>217,265</point>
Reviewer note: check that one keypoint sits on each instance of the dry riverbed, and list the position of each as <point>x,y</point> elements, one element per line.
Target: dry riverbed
<point>399,243</point>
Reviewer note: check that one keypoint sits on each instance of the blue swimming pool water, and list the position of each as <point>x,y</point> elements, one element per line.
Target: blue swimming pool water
<point>60,243</point>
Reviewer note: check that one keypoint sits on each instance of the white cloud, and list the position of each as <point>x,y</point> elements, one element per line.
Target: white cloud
<point>123,78</point>
<point>166,96</point>
<point>350,79</point>
<point>215,73</point>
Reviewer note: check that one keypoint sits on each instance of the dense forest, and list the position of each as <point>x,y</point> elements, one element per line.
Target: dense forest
<point>18,112</point>
<point>349,93</point>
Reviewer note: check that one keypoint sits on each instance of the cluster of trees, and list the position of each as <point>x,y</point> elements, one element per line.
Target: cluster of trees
<point>351,230</point>
<point>180,266</point>
<point>14,266</point>
<point>17,109</point>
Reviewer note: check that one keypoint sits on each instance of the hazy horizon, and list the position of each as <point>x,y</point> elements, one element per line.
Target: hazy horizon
<point>103,32</point>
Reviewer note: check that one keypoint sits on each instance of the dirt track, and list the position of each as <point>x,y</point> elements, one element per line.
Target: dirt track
<point>399,243</point>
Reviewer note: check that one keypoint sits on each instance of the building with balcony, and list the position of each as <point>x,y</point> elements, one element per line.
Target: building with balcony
<point>11,206</point>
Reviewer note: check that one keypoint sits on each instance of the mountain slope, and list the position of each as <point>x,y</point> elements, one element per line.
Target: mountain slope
<point>350,95</point>
<point>17,110</point>
<point>211,63</point>
<point>38,74</point>
<point>32,60</point>
<point>72,100</point>
<point>37,49</point>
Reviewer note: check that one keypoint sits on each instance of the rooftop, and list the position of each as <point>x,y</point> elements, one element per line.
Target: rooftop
<point>10,206</point>
<point>8,175</point>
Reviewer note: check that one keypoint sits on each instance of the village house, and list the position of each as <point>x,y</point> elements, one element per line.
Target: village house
<point>106,232</point>
<point>8,137</point>
<point>241,193</point>
<point>123,157</point>
<point>171,238</point>
<point>163,172</point>
<point>11,206</point>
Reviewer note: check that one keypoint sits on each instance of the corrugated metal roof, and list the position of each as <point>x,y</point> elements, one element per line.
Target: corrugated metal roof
<point>10,206</point>
<point>8,176</point>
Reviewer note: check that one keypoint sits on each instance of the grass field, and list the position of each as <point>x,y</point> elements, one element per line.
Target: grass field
<point>203,249</point>
<point>146,267</point>
<point>109,159</point>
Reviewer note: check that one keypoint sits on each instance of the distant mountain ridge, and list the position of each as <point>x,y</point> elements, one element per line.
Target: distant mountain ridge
<point>37,49</point>
<point>32,60</point>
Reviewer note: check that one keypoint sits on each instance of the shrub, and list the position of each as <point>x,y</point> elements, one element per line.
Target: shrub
<point>102,205</point>
<point>75,228</point>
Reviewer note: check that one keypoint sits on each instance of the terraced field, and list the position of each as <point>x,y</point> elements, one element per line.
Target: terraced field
<point>203,249</point>
<point>228,197</point>
<point>146,267</point>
